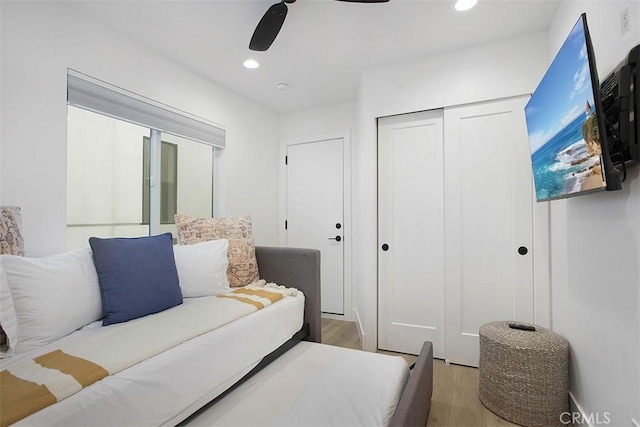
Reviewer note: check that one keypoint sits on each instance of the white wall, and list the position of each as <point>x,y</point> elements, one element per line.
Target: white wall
<point>39,41</point>
<point>487,72</point>
<point>595,253</point>
<point>318,121</point>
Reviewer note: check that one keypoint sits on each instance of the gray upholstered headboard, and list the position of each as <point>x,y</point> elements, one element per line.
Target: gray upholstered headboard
<point>297,268</point>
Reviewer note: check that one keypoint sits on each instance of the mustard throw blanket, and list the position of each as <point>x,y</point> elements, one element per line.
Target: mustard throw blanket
<point>37,383</point>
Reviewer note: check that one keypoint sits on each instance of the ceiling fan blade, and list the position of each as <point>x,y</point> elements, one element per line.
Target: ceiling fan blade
<point>268,27</point>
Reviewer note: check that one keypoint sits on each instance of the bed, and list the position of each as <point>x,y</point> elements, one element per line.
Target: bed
<point>341,387</point>
<point>201,377</point>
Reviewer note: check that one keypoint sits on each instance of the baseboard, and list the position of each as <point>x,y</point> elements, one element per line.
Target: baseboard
<point>361,333</point>
<point>579,417</point>
<point>574,407</point>
<point>335,316</point>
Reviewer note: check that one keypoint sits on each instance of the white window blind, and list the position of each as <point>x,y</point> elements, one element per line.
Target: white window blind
<point>95,95</point>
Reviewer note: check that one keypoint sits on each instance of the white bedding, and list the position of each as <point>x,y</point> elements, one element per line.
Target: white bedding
<point>315,385</point>
<point>165,389</point>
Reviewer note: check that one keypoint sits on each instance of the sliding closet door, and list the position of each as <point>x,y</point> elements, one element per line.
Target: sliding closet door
<point>488,226</point>
<point>410,227</point>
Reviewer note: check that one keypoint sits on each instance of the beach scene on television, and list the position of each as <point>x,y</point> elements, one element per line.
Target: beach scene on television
<point>563,128</point>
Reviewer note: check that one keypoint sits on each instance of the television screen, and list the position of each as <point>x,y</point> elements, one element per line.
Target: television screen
<point>563,123</point>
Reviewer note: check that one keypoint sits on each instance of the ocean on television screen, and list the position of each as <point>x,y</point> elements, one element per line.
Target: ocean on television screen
<point>575,159</point>
<point>564,163</point>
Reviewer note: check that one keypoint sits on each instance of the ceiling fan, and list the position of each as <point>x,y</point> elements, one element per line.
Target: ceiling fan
<point>270,24</point>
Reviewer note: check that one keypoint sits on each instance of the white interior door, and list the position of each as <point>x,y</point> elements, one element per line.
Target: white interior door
<point>488,211</point>
<point>315,210</point>
<point>410,228</point>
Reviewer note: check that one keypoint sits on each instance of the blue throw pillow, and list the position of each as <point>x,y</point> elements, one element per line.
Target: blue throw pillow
<point>137,276</point>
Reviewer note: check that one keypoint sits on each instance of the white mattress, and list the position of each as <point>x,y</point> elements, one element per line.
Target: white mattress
<point>167,388</point>
<point>315,385</point>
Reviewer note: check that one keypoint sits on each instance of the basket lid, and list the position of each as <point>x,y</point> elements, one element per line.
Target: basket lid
<point>540,339</point>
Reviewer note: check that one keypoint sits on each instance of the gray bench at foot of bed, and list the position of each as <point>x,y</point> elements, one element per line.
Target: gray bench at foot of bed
<point>320,385</point>
<point>301,268</point>
<point>415,402</point>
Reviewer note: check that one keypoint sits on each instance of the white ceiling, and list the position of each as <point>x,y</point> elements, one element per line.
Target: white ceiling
<point>323,46</point>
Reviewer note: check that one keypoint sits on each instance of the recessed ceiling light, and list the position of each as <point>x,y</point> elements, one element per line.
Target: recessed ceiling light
<point>251,64</point>
<point>462,5</point>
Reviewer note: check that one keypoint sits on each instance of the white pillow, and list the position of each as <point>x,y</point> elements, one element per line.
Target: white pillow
<point>52,297</point>
<point>202,268</point>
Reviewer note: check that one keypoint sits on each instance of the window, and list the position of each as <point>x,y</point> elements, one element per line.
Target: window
<point>129,179</point>
<point>168,177</point>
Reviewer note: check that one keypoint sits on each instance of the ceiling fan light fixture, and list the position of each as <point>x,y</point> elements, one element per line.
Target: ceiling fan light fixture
<point>271,22</point>
<point>462,5</point>
<point>251,64</point>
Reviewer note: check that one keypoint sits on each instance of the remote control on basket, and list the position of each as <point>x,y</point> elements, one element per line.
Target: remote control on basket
<point>522,327</point>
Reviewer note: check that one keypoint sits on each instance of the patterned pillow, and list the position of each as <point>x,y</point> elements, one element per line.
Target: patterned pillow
<point>11,241</point>
<point>243,265</point>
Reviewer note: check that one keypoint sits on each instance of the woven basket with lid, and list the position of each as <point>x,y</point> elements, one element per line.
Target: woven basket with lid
<point>524,375</point>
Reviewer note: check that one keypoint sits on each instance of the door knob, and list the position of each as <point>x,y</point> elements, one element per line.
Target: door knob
<point>337,238</point>
<point>385,247</point>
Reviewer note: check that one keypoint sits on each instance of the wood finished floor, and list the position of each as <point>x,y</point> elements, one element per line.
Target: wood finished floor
<point>455,388</point>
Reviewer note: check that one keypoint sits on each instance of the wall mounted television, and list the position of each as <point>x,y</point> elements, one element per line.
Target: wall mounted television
<point>566,125</point>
